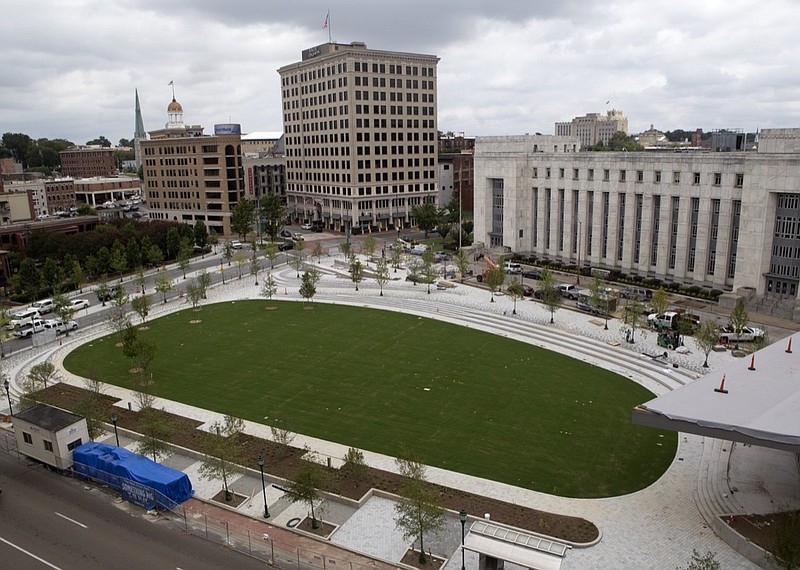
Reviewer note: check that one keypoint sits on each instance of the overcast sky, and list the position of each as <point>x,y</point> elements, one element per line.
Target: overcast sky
<point>69,67</point>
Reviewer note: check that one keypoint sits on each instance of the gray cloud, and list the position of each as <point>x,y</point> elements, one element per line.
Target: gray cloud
<point>69,69</point>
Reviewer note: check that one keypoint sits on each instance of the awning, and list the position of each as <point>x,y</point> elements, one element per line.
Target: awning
<point>521,548</point>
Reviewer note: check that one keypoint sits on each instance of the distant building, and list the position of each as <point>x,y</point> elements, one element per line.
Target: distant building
<point>189,176</point>
<point>361,136</point>
<point>17,205</point>
<point>85,162</point>
<point>652,137</point>
<point>456,176</point>
<point>456,142</point>
<point>96,191</point>
<point>594,127</point>
<point>264,165</point>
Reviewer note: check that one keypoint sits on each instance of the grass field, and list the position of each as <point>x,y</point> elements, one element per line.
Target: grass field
<point>461,399</point>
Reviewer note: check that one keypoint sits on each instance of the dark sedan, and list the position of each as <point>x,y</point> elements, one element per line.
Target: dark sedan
<point>532,274</point>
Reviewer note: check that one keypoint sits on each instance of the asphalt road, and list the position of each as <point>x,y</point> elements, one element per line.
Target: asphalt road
<point>50,521</point>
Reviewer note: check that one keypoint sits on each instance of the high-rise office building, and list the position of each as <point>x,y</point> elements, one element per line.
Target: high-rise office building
<point>360,130</point>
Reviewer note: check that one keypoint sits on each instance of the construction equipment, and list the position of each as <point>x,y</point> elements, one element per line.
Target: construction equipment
<point>492,265</point>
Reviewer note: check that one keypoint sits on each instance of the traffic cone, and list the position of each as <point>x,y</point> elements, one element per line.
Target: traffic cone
<point>721,388</point>
<point>752,363</point>
<point>789,348</point>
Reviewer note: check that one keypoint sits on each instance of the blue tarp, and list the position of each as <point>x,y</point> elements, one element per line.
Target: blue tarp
<point>139,479</point>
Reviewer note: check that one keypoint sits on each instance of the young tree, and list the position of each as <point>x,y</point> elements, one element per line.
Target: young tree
<point>550,294</point>
<point>240,259</point>
<point>354,465</point>
<point>141,306</point>
<point>119,259</point>
<point>462,263</point>
<point>599,298</point>
<point>633,316</point>
<point>369,247</point>
<point>78,275</point>
<point>224,452</point>
<point>382,274</point>
<point>43,373</point>
<point>300,246</point>
<point>307,287</point>
<point>141,279</point>
<point>255,267</point>
<point>417,512</point>
<point>273,214</point>
<point>296,261</point>
<point>201,235</point>
<point>163,283</point>
<point>318,251</point>
<point>397,254</point>
<point>305,485</point>
<point>356,271</point>
<point>345,248</point>
<point>495,276</point>
<point>516,291</point>
<point>63,310</point>
<point>706,338</point>
<point>660,301</point>
<point>738,320</point>
<point>103,290</point>
<point>118,317</point>
<point>281,430</point>
<point>155,430</point>
<point>227,252</point>
<point>203,281</point>
<point>243,215</point>
<point>428,272</point>
<point>269,287</point>
<point>193,295</point>
<point>183,260</point>
<point>271,252</point>
<point>706,562</point>
<point>213,239</point>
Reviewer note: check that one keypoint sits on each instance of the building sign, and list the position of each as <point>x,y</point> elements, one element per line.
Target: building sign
<point>138,494</point>
<point>250,185</point>
<point>312,52</point>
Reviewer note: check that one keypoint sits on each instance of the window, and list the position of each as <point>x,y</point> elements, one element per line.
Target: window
<point>717,178</point>
<point>574,173</point>
<point>535,172</point>
<point>590,174</point>
<point>696,178</point>
<point>676,177</point>
<point>623,175</point>
<point>657,177</point>
<point>739,180</point>
<point>606,175</point>
<point>73,444</point>
<point>561,173</point>
<point>547,172</point>
<point>640,176</point>
<point>27,438</point>
<point>48,446</point>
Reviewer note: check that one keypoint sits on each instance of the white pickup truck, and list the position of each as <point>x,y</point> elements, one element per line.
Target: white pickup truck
<point>35,326</point>
<point>749,334</point>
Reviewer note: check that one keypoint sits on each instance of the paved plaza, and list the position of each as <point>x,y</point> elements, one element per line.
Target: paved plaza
<point>657,527</point>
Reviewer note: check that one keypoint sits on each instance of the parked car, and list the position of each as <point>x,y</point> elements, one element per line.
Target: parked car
<point>22,318</point>
<point>419,249</point>
<point>538,294</point>
<point>568,291</point>
<point>749,334</point>
<point>532,274</point>
<point>285,234</point>
<point>286,246</point>
<point>64,327</point>
<point>306,227</point>
<point>78,304</point>
<point>512,268</point>
<point>44,306</point>
<point>236,244</point>
<point>668,320</point>
<point>35,326</point>
<point>316,228</point>
<point>297,236</point>
<point>527,290</point>
<point>636,293</point>
<point>110,294</point>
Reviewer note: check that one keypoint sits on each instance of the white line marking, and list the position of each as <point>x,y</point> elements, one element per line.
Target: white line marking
<point>43,561</point>
<point>71,520</point>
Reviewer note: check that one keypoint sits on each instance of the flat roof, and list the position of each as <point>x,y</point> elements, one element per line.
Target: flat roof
<point>515,546</point>
<point>759,406</point>
<point>49,418</point>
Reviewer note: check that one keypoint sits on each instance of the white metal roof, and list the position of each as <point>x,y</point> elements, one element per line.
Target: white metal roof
<point>518,547</point>
<point>760,406</point>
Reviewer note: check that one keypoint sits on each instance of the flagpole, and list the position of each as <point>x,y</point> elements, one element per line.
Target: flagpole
<point>329,27</point>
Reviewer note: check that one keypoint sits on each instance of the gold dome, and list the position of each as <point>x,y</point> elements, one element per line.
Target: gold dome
<point>174,106</point>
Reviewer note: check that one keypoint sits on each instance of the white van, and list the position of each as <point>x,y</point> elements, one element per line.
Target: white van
<point>567,290</point>
<point>44,306</point>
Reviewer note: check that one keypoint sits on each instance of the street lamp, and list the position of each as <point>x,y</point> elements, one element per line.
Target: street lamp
<point>114,421</point>
<point>463,517</point>
<point>222,271</point>
<point>263,486</point>
<point>8,395</point>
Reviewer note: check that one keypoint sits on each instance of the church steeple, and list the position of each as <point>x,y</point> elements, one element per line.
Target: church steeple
<point>139,133</point>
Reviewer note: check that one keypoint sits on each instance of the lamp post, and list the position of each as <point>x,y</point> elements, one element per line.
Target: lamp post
<point>463,517</point>
<point>6,384</point>
<point>114,421</point>
<point>222,271</point>
<point>263,486</point>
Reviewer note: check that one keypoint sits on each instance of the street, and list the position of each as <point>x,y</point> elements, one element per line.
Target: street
<point>48,520</point>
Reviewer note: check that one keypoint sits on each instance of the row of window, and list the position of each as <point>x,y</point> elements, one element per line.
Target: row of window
<point>640,176</point>
<point>48,445</point>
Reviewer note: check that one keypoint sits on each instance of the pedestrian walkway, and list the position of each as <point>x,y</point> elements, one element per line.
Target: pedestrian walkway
<point>656,527</point>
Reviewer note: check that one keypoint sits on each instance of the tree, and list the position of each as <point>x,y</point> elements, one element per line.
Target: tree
<point>426,215</point>
<point>706,338</point>
<point>495,276</point>
<point>243,215</point>
<point>183,260</point>
<point>599,298</point>
<point>462,263</point>
<point>516,291</point>
<point>163,283</point>
<point>43,373</point>
<point>103,290</point>
<point>428,272</point>
<point>417,513</point>
<point>227,252</point>
<point>633,316</point>
<point>255,267</point>
<point>86,210</point>
<point>119,258</point>
<point>397,254</point>
<point>200,235</point>
<point>382,274</point>
<point>307,287</point>
<point>118,319</point>
<point>155,430</point>
<point>356,271</point>
<point>660,301</point>
<point>213,239</point>
<point>550,294</point>
<point>77,274</point>
<point>300,247</point>
<point>705,562</point>
<point>269,287</point>
<point>368,247</point>
<point>29,279</point>
<point>344,247</point>
<point>272,214</point>
<point>619,141</point>
<point>193,295</point>
<point>203,281</point>
<point>318,251</point>
<point>63,310</point>
<point>296,262</point>
<point>141,306</point>
<point>738,319</point>
<point>305,485</point>
<point>224,452</point>
<point>52,275</point>
<point>281,430</point>
<point>271,252</point>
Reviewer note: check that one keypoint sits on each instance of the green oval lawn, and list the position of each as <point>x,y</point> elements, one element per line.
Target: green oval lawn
<point>460,399</point>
